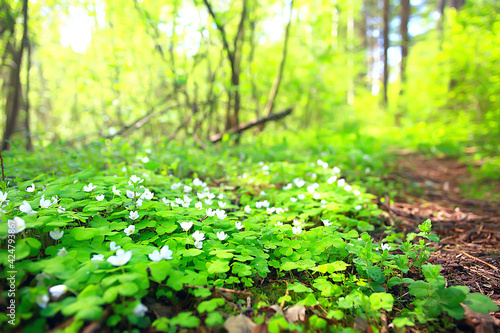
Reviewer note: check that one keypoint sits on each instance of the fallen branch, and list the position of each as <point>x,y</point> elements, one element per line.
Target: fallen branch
<point>246,126</point>
<point>481,261</point>
<point>226,290</point>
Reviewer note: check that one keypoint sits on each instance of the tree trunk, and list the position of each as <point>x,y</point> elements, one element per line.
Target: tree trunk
<point>386,10</point>
<point>277,80</point>
<point>403,29</point>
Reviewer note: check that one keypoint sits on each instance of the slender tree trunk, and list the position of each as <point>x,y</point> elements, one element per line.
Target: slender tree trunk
<point>457,4</point>
<point>350,55</point>
<point>403,28</point>
<point>277,80</point>
<point>386,10</point>
<point>14,93</point>
<point>26,42</point>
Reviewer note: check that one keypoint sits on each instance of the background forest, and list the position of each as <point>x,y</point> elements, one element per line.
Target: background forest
<point>250,166</point>
<point>76,71</point>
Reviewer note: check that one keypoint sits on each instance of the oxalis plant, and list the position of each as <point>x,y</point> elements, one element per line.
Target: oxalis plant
<point>132,247</point>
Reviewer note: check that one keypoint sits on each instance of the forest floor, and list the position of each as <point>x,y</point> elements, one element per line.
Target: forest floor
<point>469,251</point>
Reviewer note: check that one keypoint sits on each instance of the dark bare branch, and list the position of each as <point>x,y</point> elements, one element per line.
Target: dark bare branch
<point>246,126</point>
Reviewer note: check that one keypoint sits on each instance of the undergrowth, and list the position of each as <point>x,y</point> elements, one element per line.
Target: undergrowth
<point>177,237</point>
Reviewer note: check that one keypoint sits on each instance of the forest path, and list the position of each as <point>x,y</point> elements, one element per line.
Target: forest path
<point>469,251</point>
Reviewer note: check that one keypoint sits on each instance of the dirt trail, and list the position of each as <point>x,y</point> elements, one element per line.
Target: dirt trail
<point>469,251</point>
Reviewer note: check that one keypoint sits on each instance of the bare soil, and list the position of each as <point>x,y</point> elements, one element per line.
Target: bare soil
<point>469,251</point>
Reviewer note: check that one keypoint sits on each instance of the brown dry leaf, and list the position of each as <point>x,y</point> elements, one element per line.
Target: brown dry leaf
<point>481,323</point>
<point>272,309</point>
<point>296,313</point>
<point>239,324</point>
<point>261,328</point>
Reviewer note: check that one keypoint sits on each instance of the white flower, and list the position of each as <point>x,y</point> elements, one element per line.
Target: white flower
<point>198,236</point>
<point>187,188</point>
<point>385,247</point>
<point>140,310</point>
<point>197,182</point>
<point>145,159</point>
<point>262,193</point>
<point>115,191</point>
<point>89,187</point>
<point>131,194</point>
<point>297,222</point>
<point>42,301</point>
<point>288,186</point>
<point>61,210</point>
<point>26,208</point>
<point>99,197</point>
<point>155,256</point>
<point>57,291</point>
<point>56,234</point>
<point>299,182</point>
<point>280,210</point>
<point>198,205</point>
<point>17,224</point>
<point>198,244</point>
<point>297,230</point>
<point>278,224</point>
<point>293,199</point>
<point>336,170</point>
<point>187,199</point>
<point>45,203</point>
<point>210,212</point>
<point>238,225</point>
<point>358,207</point>
<point>356,192</point>
<point>332,180</point>
<point>62,252</point>
<point>166,253</point>
<point>367,170</point>
<point>221,214</point>
<point>341,182</point>
<point>208,202</point>
<point>186,225</point>
<point>201,195</point>
<point>54,200</point>
<point>247,209</point>
<point>316,196</point>
<point>148,195</point>
<point>3,196</point>
<point>324,202</point>
<point>129,230</point>
<point>221,235</point>
<point>327,223</point>
<point>220,197</point>
<point>133,215</point>
<point>31,188</point>
<point>121,258</point>
<point>135,180</point>
<point>222,204</point>
<point>348,188</point>
<point>210,195</point>
<point>301,196</point>
<point>98,257</point>
<point>113,246</point>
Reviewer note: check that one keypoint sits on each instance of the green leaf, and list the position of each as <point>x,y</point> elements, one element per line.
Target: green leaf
<point>218,266</point>
<point>420,289</point>
<point>211,305</point>
<point>381,301</point>
<point>426,226</point>
<point>402,322</point>
<point>192,253</point>
<point>159,271</point>
<point>480,303</point>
